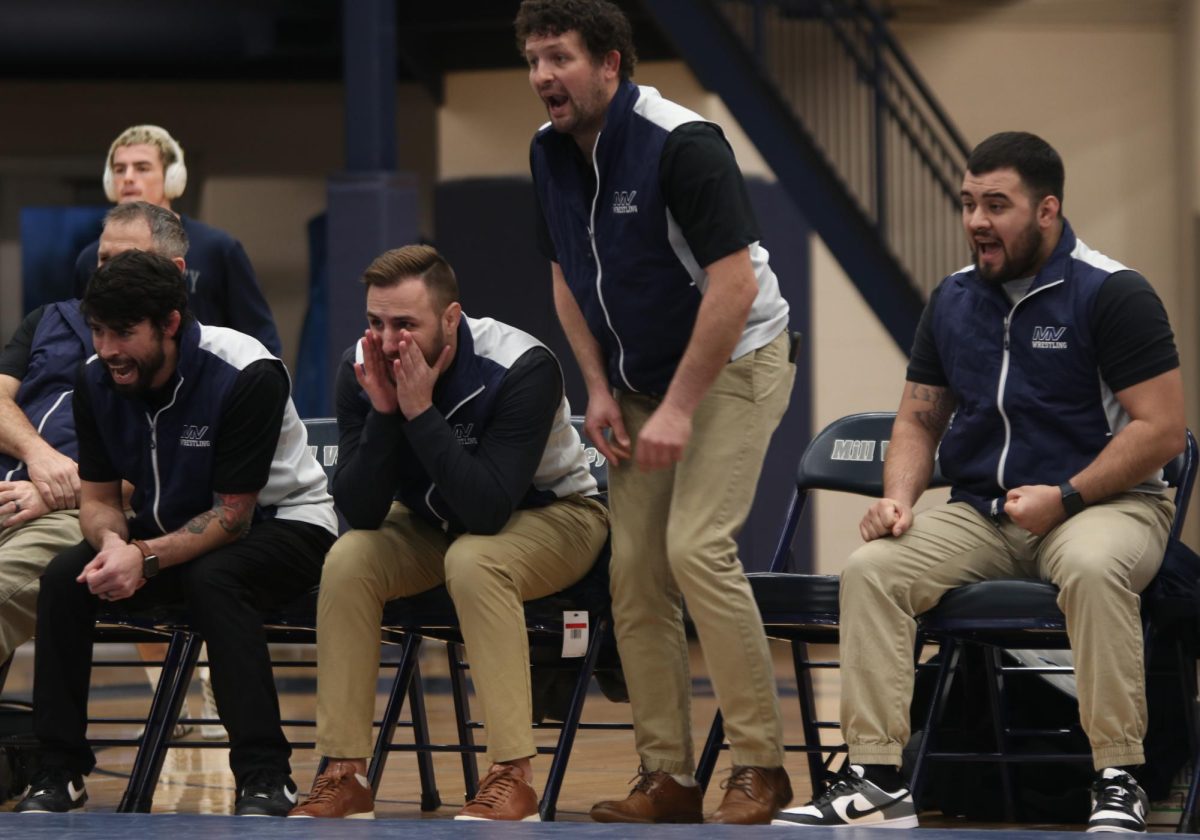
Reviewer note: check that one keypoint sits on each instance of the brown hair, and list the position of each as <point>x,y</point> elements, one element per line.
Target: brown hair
<point>602,26</point>
<point>422,261</point>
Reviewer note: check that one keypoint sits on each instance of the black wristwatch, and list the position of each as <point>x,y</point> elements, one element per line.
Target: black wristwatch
<point>1072,502</point>
<point>149,559</point>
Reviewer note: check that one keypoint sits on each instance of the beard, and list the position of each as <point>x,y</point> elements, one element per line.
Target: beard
<point>435,350</point>
<point>1020,258</point>
<point>147,369</point>
<point>586,112</point>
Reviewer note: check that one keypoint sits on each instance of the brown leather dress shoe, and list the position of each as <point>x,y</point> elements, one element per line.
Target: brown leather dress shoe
<point>503,795</point>
<point>339,792</point>
<point>753,796</point>
<point>655,798</point>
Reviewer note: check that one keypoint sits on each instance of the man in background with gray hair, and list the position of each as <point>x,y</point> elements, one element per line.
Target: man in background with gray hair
<point>39,478</point>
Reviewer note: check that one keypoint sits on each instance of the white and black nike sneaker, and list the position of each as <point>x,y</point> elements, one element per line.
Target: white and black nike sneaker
<point>266,794</point>
<point>851,800</point>
<point>54,790</point>
<point>1118,803</point>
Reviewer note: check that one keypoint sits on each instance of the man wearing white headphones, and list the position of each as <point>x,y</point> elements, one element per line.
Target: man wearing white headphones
<point>146,164</point>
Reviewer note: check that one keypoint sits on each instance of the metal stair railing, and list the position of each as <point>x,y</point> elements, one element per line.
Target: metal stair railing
<point>847,81</point>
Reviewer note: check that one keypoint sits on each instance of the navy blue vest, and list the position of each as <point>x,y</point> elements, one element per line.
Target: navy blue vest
<point>61,341</point>
<point>1042,418</point>
<point>639,300</point>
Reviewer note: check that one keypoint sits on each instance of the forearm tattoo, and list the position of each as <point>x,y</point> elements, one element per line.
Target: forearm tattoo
<point>233,513</point>
<point>940,402</point>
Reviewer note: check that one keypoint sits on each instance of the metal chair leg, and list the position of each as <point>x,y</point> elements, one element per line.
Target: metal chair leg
<point>712,749</point>
<point>566,735</point>
<point>387,727</point>
<point>462,717</point>
<point>177,668</point>
<point>431,800</point>
<point>950,653</point>
<point>995,684</point>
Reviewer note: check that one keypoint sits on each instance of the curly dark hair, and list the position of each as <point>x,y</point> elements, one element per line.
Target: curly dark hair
<point>600,23</point>
<point>133,286</point>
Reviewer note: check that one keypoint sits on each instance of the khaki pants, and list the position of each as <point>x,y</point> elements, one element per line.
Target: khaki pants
<point>24,552</point>
<point>539,552</point>
<point>1100,559</point>
<point>674,534</point>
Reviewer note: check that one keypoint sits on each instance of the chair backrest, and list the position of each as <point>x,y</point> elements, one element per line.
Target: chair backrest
<point>323,443</point>
<point>848,455</point>
<point>597,462</point>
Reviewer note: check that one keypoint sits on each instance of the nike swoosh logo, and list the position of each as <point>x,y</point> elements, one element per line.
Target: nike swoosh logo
<point>853,813</point>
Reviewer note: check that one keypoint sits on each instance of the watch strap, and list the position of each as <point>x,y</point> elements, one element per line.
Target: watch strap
<point>143,547</point>
<point>1072,502</point>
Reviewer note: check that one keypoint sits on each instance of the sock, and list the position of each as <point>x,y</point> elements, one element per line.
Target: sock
<point>883,776</point>
<point>684,779</point>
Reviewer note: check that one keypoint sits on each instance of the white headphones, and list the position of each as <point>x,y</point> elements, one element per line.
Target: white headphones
<point>175,176</point>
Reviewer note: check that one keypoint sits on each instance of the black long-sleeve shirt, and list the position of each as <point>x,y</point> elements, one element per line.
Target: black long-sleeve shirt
<point>379,453</point>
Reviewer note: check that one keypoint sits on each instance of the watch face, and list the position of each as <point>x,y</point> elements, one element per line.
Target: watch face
<point>149,566</point>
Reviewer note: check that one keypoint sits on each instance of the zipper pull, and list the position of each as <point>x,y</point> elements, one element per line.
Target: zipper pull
<point>1006,323</point>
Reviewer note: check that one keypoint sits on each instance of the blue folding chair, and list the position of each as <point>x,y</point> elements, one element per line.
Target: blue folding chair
<point>802,609</point>
<point>1022,614</point>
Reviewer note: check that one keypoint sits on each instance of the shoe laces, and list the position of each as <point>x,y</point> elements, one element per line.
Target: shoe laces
<point>1117,793</point>
<point>325,789</point>
<point>843,783</point>
<point>496,786</point>
<point>742,778</point>
<point>642,780</point>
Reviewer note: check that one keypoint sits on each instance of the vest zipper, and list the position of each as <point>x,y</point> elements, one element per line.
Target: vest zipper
<point>600,270</point>
<point>1003,384</point>
<point>154,452</point>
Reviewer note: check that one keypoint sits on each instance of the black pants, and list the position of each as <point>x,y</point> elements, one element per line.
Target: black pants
<point>223,593</point>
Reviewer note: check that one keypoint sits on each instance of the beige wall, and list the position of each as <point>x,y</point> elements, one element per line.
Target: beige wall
<point>488,118</point>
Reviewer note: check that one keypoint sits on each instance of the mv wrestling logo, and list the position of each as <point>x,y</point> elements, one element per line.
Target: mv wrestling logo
<point>195,436</point>
<point>623,202</point>
<point>1049,338</point>
<point>463,434</point>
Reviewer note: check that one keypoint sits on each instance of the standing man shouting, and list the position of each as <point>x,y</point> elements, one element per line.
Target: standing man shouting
<point>677,323</point>
<point>145,163</point>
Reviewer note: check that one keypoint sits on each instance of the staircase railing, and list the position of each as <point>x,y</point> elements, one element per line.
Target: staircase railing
<point>875,121</point>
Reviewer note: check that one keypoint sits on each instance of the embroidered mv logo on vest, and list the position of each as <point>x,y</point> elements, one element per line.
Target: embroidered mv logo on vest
<point>194,436</point>
<point>623,202</point>
<point>462,433</point>
<point>1049,338</point>
<point>193,278</point>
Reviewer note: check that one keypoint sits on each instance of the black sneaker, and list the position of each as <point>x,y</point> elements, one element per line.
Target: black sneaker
<point>851,800</point>
<point>1118,803</point>
<point>266,795</point>
<point>54,790</point>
